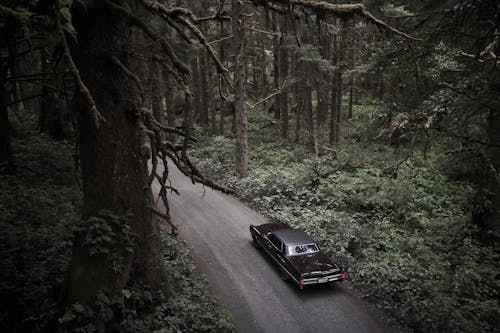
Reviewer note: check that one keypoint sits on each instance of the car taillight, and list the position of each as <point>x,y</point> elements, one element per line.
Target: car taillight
<point>302,282</point>
<point>343,276</point>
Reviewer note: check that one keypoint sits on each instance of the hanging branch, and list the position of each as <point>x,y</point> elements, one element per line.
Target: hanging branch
<point>130,74</point>
<point>76,73</point>
<point>186,18</point>
<point>342,11</point>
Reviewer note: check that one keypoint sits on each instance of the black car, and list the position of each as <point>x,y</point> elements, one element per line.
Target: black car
<point>297,255</point>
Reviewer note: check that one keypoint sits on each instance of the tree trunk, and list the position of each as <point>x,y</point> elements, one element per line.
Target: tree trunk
<point>489,220</point>
<point>169,102</point>
<point>114,173</point>
<point>352,61</point>
<point>54,117</point>
<point>276,66</point>
<point>322,93</point>
<point>336,113</point>
<point>351,92</point>
<point>5,145</point>
<point>308,116</point>
<point>195,87</point>
<point>222,103</point>
<point>187,123</point>
<point>204,96</point>
<point>212,101</point>
<point>283,72</point>
<point>240,115</point>
<point>298,98</point>
<point>156,91</point>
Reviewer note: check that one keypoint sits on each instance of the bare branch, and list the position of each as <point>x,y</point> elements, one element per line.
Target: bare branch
<point>130,74</point>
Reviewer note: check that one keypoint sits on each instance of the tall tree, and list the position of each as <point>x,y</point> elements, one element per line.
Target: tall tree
<point>114,167</point>
<point>283,76</point>
<point>240,112</point>
<point>336,97</point>
<point>204,95</point>
<point>5,144</point>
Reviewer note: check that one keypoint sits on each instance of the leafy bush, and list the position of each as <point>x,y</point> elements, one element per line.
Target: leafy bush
<point>407,243</point>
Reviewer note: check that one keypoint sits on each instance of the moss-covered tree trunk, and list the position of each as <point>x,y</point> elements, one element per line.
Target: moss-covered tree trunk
<point>113,171</point>
<point>5,145</point>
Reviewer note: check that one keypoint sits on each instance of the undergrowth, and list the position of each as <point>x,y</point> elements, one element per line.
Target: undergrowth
<point>39,210</point>
<point>406,242</point>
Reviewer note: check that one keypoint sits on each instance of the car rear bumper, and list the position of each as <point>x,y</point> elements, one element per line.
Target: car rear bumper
<point>322,279</point>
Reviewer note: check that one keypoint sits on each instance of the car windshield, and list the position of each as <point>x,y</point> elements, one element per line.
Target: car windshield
<point>294,250</point>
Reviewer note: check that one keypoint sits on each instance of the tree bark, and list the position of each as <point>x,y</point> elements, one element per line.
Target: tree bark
<point>156,91</point>
<point>5,144</point>
<point>336,113</point>
<point>212,100</point>
<point>54,117</point>
<point>195,87</point>
<point>276,67</point>
<point>222,103</point>
<point>352,61</point>
<point>169,101</point>
<point>240,116</point>
<point>187,122</point>
<point>283,71</point>
<point>322,93</point>
<point>204,96</point>
<point>308,116</point>
<point>114,173</point>
<point>488,220</point>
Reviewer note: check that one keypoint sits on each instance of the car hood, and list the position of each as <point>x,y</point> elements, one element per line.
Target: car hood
<point>315,263</point>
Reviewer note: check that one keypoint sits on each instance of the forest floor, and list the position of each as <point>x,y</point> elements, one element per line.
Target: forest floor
<point>406,239</point>
<point>39,209</point>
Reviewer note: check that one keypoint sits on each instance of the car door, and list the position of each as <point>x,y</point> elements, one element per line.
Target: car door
<point>276,250</point>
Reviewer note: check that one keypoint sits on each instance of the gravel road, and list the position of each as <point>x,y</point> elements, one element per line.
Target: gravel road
<point>215,225</point>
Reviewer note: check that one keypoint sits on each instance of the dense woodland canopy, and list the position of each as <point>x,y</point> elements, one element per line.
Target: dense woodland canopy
<point>121,83</point>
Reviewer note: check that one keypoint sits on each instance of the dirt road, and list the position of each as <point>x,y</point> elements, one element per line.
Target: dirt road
<point>215,225</point>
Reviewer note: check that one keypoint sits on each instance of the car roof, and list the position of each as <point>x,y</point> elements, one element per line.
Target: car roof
<point>293,236</point>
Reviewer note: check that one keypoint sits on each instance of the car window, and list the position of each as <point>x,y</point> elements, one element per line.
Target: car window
<point>275,241</point>
<point>294,250</point>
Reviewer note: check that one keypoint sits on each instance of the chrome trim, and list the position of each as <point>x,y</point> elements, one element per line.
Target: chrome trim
<point>329,278</point>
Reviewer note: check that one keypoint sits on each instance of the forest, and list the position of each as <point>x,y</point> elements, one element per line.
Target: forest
<point>372,125</point>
